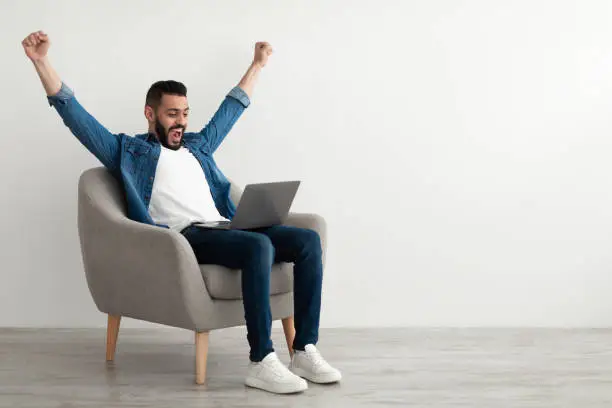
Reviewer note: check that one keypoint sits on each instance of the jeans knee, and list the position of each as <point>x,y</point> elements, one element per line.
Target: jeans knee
<point>260,249</point>
<point>311,242</point>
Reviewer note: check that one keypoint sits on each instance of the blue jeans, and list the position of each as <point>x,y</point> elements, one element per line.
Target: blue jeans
<point>254,252</point>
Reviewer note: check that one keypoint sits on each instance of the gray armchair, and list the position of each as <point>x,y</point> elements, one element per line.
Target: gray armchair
<point>150,273</point>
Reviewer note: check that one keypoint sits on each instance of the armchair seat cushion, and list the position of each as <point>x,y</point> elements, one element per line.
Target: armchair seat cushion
<point>225,283</point>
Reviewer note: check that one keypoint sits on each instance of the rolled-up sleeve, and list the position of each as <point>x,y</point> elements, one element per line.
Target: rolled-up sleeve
<point>239,94</point>
<point>63,96</point>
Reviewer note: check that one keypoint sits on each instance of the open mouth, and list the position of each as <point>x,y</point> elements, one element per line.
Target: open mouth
<point>176,135</point>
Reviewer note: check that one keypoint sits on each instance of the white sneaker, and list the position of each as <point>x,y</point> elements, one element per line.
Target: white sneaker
<point>311,365</point>
<point>271,375</point>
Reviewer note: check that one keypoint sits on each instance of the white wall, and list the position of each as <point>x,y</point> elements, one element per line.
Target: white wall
<point>460,150</point>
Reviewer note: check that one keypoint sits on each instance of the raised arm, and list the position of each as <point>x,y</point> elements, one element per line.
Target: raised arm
<point>263,50</point>
<point>36,46</point>
<point>236,101</point>
<point>95,137</point>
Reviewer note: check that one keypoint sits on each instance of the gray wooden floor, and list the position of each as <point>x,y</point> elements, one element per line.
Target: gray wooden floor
<point>381,367</point>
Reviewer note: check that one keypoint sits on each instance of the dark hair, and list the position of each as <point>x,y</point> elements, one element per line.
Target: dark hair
<point>158,89</point>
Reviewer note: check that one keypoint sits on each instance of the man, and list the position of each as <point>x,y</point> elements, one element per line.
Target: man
<point>171,180</point>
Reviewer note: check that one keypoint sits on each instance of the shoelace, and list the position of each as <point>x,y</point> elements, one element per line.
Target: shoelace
<point>316,358</point>
<point>278,369</point>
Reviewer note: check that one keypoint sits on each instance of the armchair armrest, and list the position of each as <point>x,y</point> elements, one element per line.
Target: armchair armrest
<point>138,270</point>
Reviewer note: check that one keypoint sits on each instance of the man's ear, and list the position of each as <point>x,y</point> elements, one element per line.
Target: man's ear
<point>148,111</point>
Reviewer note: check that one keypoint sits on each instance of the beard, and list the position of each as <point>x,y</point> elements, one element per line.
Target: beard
<point>164,135</point>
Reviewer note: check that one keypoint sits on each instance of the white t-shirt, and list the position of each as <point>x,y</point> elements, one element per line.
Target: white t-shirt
<point>181,194</point>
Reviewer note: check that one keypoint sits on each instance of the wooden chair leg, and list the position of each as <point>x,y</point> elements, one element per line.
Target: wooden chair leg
<point>201,340</point>
<point>112,331</point>
<point>289,329</point>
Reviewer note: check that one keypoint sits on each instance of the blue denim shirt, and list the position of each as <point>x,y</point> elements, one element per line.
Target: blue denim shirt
<point>133,159</point>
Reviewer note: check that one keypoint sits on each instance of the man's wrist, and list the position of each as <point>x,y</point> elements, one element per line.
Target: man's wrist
<point>41,63</point>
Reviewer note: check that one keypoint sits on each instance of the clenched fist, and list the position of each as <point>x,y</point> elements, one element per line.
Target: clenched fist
<point>262,51</point>
<point>36,45</point>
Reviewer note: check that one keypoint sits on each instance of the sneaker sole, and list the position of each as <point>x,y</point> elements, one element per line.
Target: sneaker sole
<point>319,379</point>
<point>276,388</point>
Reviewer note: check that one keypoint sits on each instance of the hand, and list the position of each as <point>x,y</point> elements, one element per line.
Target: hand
<point>36,45</point>
<point>262,51</point>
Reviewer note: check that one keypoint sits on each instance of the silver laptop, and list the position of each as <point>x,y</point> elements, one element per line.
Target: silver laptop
<point>261,205</point>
